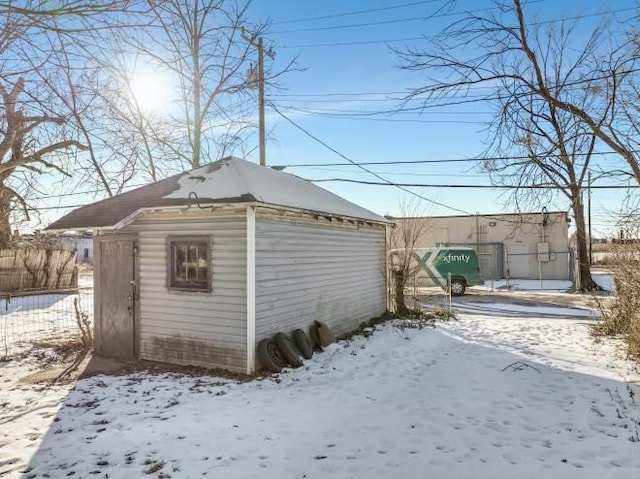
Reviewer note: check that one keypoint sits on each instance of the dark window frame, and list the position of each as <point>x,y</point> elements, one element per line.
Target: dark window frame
<point>178,278</point>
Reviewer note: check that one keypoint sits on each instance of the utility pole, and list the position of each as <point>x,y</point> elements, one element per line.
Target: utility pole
<point>258,43</point>
<point>261,127</point>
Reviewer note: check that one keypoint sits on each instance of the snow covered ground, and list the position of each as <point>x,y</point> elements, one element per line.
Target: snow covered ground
<point>501,392</point>
<point>45,317</point>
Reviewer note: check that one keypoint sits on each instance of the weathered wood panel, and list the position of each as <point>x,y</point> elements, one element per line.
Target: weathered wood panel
<point>116,309</point>
<point>306,273</point>
<point>194,328</point>
<point>36,269</point>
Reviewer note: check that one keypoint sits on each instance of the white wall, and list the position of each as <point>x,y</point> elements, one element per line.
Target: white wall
<point>193,328</point>
<point>307,272</point>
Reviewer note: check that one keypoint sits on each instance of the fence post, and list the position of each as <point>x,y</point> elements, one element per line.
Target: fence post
<point>508,270</point>
<point>576,269</point>
<point>449,290</point>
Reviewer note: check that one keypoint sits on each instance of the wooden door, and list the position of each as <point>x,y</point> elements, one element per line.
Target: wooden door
<point>117,297</point>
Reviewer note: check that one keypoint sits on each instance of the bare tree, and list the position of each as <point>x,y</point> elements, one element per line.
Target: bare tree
<point>554,148</point>
<point>22,148</point>
<point>404,240</point>
<point>40,117</point>
<point>507,57</point>
<point>123,140</point>
<point>200,43</point>
<point>553,102</point>
<point>70,60</point>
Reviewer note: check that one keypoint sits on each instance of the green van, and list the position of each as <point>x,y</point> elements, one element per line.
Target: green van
<point>434,265</point>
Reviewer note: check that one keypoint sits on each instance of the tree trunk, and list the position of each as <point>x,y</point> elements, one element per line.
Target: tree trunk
<point>5,216</point>
<point>584,267</point>
<point>398,282</point>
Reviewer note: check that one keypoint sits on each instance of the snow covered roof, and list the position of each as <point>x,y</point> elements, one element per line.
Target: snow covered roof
<point>230,180</point>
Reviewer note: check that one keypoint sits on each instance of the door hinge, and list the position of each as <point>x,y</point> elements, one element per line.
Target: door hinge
<point>134,287</point>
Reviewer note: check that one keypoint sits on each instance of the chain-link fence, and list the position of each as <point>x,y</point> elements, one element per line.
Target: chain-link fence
<point>490,258</point>
<point>423,294</point>
<point>521,261</point>
<point>420,294</point>
<point>36,317</point>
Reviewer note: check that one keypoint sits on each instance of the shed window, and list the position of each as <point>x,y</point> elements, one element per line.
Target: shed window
<point>189,265</point>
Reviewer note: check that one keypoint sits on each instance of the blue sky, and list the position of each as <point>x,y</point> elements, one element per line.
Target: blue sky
<point>350,71</point>
<point>346,83</point>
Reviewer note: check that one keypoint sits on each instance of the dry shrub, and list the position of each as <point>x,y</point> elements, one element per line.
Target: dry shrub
<point>633,341</point>
<point>84,325</point>
<point>54,351</point>
<point>621,315</point>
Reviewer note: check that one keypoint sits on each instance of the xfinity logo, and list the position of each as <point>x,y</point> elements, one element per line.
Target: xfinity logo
<point>457,258</point>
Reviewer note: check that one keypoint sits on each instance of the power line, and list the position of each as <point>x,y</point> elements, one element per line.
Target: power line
<point>359,99</point>
<point>607,220</point>
<point>387,22</point>
<point>438,185</point>
<point>340,94</point>
<point>453,160</point>
<point>405,120</point>
<point>64,195</point>
<point>431,17</point>
<point>369,114</point>
<point>421,108</point>
<point>60,207</point>
<point>390,96</point>
<point>351,13</point>
<point>412,173</point>
<point>315,138</point>
<point>468,98</point>
<point>355,113</point>
<point>425,37</point>
<point>482,98</point>
<point>355,25</point>
<point>352,43</point>
<point>384,180</point>
<point>398,120</point>
<point>370,163</point>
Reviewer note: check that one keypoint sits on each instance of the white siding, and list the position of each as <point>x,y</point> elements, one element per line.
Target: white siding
<point>200,329</point>
<point>79,245</point>
<point>326,273</point>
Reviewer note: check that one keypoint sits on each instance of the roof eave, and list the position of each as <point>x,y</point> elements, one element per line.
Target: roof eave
<point>325,213</point>
<point>211,206</point>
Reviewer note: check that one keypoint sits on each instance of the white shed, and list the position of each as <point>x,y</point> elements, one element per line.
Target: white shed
<point>196,269</point>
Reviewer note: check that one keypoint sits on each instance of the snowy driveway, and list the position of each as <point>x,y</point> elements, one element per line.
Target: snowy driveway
<point>509,304</point>
<point>539,328</point>
<point>485,396</point>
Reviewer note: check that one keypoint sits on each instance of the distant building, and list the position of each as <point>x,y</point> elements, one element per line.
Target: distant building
<point>81,244</point>
<point>519,245</point>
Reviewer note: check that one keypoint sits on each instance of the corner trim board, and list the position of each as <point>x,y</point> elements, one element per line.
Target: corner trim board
<point>251,289</point>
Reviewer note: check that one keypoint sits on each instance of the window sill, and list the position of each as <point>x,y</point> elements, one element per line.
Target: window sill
<point>173,289</point>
